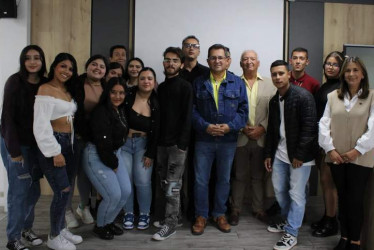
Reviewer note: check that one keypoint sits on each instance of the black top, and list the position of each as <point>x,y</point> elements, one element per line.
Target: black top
<point>81,119</point>
<point>109,131</point>
<point>197,71</point>
<point>175,97</point>
<point>153,131</point>
<point>18,113</point>
<point>139,122</point>
<point>300,124</point>
<point>321,95</point>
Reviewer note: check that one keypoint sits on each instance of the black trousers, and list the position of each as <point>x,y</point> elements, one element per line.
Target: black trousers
<point>351,181</point>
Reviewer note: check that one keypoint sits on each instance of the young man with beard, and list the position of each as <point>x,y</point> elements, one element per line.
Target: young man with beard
<point>175,98</point>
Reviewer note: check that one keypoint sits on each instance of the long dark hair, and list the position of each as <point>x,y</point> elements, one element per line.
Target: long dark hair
<point>126,76</point>
<point>105,96</point>
<point>22,59</point>
<point>59,58</point>
<point>364,84</point>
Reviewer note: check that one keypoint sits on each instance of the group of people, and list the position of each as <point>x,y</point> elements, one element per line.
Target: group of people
<point>109,127</point>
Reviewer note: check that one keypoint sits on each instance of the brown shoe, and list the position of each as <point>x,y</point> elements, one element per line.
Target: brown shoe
<point>261,216</point>
<point>234,219</point>
<point>222,224</point>
<point>199,226</point>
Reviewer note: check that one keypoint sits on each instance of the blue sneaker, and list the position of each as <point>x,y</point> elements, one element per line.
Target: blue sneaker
<point>143,221</point>
<point>128,221</point>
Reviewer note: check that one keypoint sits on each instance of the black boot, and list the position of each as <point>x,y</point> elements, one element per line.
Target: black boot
<point>342,245</point>
<point>353,247</point>
<point>328,228</point>
<point>318,224</point>
<point>116,230</point>
<point>103,232</point>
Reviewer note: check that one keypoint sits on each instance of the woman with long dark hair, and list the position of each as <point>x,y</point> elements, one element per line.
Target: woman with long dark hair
<point>132,69</point>
<point>101,159</point>
<point>86,91</point>
<point>143,115</point>
<point>328,224</point>
<point>19,148</point>
<point>54,110</point>
<point>346,133</point>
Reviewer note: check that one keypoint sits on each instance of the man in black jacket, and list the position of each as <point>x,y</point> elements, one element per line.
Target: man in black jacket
<point>291,142</point>
<point>175,99</point>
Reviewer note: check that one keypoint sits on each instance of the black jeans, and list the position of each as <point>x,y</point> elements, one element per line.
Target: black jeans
<point>351,181</point>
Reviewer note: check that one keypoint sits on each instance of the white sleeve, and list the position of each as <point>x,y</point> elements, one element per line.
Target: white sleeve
<point>366,142</point>
<point>43,132</point>
<point>324,134</point>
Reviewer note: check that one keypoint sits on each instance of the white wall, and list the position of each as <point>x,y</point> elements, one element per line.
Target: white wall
<point>14,36</point>
<point>239,25</point>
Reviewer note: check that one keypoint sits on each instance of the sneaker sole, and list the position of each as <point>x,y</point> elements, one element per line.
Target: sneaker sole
<point>162,238</point>
<point>143,228</point>
<point>277,248</point>
<point>29,243</point>
<point>272,230</point>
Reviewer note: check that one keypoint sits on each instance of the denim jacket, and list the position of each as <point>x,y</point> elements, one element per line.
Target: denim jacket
<point>232,107</point>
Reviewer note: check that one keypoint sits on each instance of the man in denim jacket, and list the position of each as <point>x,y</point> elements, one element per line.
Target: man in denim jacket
<point>220,110</point>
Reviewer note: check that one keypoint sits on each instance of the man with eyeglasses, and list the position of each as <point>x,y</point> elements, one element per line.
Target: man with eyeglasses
<point>175,99</point>
<point>220,110</point>
<point>191,67</point>
<point>299,61</point>
<point>248,166</point>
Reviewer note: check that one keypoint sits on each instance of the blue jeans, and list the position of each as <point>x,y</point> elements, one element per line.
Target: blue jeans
<point>132,154</point>
<point>289,187</point>
<point>60,179</point>
<point>205,153</point>
<point>114,187</point>
<point>23,191</point>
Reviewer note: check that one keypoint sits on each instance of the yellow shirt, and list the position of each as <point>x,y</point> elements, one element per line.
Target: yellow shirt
<point>252,98</point>
<point>216,85</point>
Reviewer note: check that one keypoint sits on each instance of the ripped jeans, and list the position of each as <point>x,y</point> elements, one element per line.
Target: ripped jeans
<point>23,191</point>
<point>171,162</point>
<point>114,187</point>
<point>59,178</point>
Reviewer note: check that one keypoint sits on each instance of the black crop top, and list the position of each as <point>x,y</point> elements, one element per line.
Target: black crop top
<point>139,122</point>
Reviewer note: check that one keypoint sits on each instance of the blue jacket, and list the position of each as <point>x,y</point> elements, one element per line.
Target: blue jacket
<point>232,107</point>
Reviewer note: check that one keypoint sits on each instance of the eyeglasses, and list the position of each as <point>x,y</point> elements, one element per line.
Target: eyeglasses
<point>191,45</point>
<point>169,60</point>
<point>219,58</point>
<point>334,65</point>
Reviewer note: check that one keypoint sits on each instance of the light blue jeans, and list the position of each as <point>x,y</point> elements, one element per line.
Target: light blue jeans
<point>289,187</point>
<point>205,153</point>
<point>114,187</point>
<point>132,154</point>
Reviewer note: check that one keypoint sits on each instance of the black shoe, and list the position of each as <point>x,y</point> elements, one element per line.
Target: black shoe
<point>273,210</point>
<point>353,247</point>
<point>16,245</point>
<point>342,245</point>
<point>116,230</point>
<point>318,224</point>
<point>103,232</point>
<point>329,228</point>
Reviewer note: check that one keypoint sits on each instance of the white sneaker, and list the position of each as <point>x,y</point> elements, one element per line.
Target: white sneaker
<point>85,215</point>
<point>71,221</point>
<point>60,243</point>
<point>287,242</point>
<point>75,239</point>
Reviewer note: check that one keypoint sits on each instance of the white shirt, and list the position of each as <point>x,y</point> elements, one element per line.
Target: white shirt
<point>364,144</point>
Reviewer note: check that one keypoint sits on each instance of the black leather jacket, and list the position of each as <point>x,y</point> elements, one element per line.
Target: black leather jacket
<point>300,120</point>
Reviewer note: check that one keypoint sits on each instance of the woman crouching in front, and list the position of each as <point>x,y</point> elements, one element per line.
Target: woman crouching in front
<point>101,161</point>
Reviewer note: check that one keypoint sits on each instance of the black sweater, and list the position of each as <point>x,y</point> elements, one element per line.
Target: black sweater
<point>18,113</point>
<point>321,95</point>
<point>175,98</point>
<point>108,133</point>
<point>300,123</point>
<point>154,132</point>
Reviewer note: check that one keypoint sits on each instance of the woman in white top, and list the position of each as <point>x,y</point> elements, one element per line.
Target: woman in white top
<point>53,129</point>
<point>346,134</point>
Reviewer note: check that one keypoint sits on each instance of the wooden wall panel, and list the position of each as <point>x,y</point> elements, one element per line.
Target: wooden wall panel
<point>61,26</point>
<point>347,23</point>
